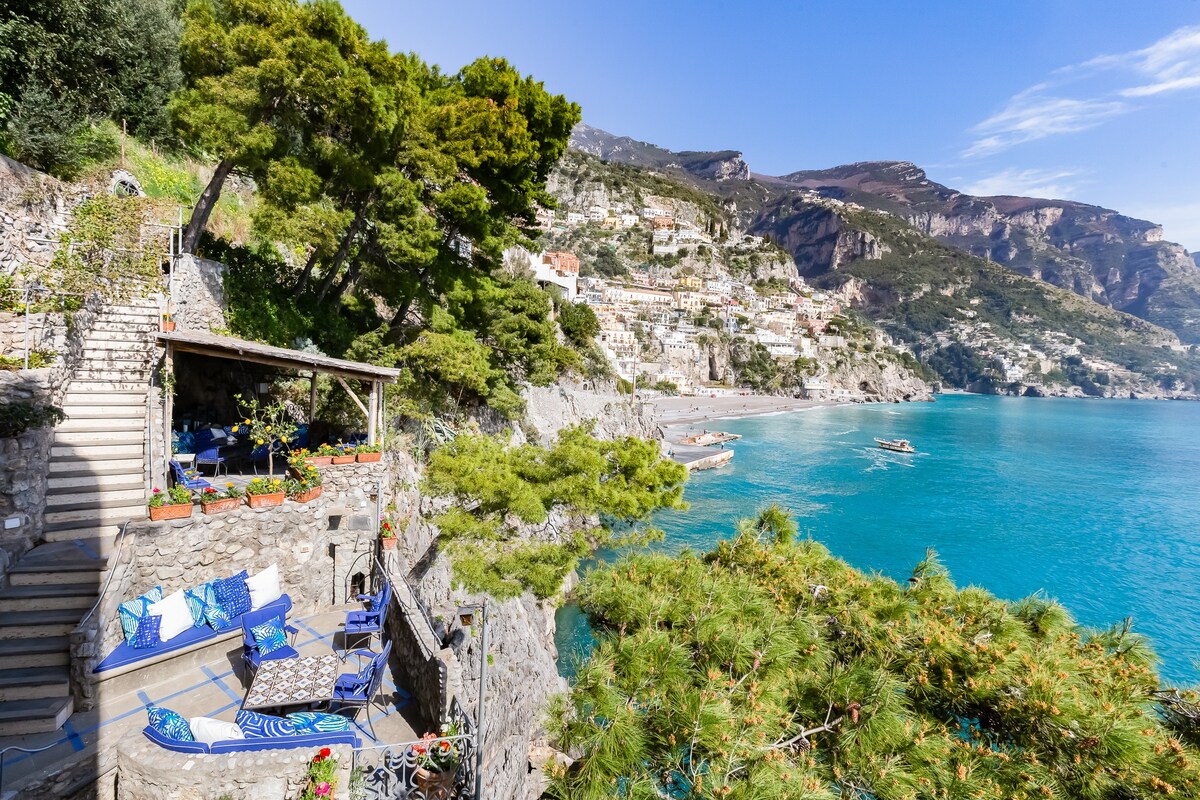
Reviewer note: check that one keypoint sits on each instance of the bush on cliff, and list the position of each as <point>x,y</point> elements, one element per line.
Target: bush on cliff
<point>769,669</point>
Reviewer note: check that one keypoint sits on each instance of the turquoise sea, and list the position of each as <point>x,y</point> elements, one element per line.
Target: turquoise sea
<point>1094,502</point>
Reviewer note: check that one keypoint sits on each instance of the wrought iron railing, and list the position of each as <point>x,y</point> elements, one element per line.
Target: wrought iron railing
<point>403,771</point>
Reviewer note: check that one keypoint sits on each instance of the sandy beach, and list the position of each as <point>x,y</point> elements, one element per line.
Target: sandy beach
<point>674,411</point>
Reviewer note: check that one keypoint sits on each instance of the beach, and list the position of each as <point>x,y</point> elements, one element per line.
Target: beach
<point>677,411</point>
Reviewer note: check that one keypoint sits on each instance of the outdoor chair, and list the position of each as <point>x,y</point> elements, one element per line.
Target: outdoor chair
<point>355,690</point>
<point>250,648</point>
<point>210,454</point>
<point>370,621</point>
<point>188,478</point>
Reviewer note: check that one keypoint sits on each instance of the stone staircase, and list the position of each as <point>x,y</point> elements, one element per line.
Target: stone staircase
<point>97,481</point>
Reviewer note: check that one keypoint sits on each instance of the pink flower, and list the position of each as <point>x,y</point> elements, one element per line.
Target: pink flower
<point>156,491</point>
<point>323,789</point>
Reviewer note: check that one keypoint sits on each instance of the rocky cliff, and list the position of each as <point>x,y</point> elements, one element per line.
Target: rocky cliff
<point>721,165</point>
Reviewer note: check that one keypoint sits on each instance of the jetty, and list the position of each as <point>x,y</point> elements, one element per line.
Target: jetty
<point>698,457</point>
<point>711,438</point>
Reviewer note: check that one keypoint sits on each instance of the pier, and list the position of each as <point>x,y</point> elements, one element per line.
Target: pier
<point>711,438</point>
<point>698,457</point>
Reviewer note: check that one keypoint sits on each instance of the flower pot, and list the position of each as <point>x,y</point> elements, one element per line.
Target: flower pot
<point>217,506</point>
<point>369,457</point>
<point>435,785</point>
<point>319,461</point>
<point>177,511</point>
<point>265,500</point>
<point>388,543</point>
<point>168,326</point>
<point>308,494</point>
<point>343,459</point>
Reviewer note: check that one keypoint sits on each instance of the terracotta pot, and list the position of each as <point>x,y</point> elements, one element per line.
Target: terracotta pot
<point>168,326</point>
<point>388,543</point>
<point>265,500</point>
<point>343,459</point>
<point>435,785</point>
<point>319,461</point>
<point>310,494</point>
<point>177,511</point>
<point>217,506</point>
<point>369,457</point>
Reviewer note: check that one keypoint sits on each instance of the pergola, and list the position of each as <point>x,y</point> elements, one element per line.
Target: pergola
<point>234,349</point>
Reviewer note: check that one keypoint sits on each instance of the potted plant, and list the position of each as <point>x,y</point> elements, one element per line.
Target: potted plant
<point>267,425</point>
<point>437,765</point>
<point>322,776</point>
<point>175,503</point>
<point>306,485</point>
<point>265,492</point>
<point>168,322</point>
<point>368,452</point>
<point>387,533</point>
<point>214,502</point>
<point>345,453</point>
<point>325,454</point>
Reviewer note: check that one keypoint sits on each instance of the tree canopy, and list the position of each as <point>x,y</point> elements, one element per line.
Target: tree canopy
<point>769,669</point>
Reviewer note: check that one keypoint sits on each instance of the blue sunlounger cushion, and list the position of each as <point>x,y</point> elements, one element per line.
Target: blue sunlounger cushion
<point>318,722</point>
<point>298,740</point>
<point>269,636</point>
<point>169,724</point>
<point>147,632</point>
<point>233,595</point>
<point>258,726</point>
<point>133,610</point>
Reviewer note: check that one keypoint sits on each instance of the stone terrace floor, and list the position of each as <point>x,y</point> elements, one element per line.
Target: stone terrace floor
<point>214,689</point>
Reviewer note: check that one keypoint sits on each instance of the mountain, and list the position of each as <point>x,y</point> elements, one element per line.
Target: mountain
<point>721,165</point>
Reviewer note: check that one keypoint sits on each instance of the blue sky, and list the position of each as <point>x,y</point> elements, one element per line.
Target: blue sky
<point>1078,99</point>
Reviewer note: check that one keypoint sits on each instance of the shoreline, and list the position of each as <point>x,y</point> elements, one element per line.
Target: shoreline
<point>678,412</point>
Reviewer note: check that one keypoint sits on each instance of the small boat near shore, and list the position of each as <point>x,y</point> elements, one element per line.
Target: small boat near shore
<point>896,445</point>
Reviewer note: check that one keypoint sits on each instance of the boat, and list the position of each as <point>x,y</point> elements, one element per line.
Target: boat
<point>896,445</point>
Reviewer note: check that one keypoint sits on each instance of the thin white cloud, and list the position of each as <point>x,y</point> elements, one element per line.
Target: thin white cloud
<point>1172,64</point>
<point>1053,184</point>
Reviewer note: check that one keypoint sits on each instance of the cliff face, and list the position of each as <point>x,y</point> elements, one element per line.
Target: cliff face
<point>719,165</point>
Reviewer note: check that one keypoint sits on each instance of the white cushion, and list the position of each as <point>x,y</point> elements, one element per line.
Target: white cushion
<point>264,587</point>
<point>209,730</point>
<point>176,618</point>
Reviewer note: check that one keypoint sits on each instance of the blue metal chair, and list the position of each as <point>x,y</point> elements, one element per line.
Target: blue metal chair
<point>355,690</point>
<point>250,647</point>
<point>369,622</point>
<point>210,454</point>
<point>188,478</point>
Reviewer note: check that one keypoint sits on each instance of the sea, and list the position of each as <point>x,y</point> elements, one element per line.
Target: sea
<point>1095,503</point>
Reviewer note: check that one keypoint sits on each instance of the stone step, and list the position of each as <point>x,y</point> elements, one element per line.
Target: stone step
<point>66,467</point>
<point>94,451</point>
<point>40,623</point>
<point>42,715</point>
<point>121,373</point>
<point>98,499</point>
<point>104,400</point>
<point>93,424</point>
<point>29,683</point>
<point>133,333</point>
<point>107,514</point>
<point>84,483</point>
<point>55,578</point>
<point>116,351</point>
<point>79,385</point>
<point>141,327</point>
<point>78,596</point>
<point>71,531</point>
<point>96,438</point>
<point>47,651</point>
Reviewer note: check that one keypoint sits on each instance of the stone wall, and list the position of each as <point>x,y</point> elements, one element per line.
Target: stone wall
<point>23,469</point>
<point>33,207</point>
<point>148,772</point>
<point>198,294</point>
<point>46,332</point>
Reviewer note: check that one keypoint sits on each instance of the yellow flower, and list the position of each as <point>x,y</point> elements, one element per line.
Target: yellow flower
<point>260,441</point>
<point>268,429</point>
<point>247,422</point>
<point>281,438</point>
<point>229,484</point>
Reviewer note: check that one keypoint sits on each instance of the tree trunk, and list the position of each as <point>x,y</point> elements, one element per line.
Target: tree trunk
<point>342,251</point>
<point>347,278</point>
<point>302,284</point>
<point>204,206</point>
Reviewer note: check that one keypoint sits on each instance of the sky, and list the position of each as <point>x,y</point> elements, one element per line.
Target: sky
<point>1086,100</point>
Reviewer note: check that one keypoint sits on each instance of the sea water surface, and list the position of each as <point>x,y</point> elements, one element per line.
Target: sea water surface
<point>1094,502</point>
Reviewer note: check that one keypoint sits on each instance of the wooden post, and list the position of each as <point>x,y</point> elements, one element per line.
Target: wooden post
<point>312,400</point>
<point>373,413</point>
<point>168,375</point>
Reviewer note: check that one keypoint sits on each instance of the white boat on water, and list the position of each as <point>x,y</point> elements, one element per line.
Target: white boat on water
<point>896,445</point>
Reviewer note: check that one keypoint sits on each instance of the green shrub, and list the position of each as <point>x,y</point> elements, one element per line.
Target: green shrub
<point>16,418</point>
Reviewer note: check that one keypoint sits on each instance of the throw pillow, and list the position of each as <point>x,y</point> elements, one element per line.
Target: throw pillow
<point>218,618</point>
<point>175,616</point>
<point>269,636</point>
<point>264,587</point>
<point>146,635</point>
<point>169,724</point>
<point>317,722</point>
<point>133,610</point>
<point>233,595</point>
<point>209,730</point>
<point>260,726</point>
<point>198,601</point>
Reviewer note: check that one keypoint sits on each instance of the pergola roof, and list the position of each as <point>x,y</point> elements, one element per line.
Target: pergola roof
<point>210,344</point>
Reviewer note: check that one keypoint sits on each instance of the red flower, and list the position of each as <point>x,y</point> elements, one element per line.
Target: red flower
<point>156,491</point>
<point>325,752</point>
<point>317,759</point>
<point>210,490</point>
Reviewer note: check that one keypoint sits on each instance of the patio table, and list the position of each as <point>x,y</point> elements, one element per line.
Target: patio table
<point>293,681</point>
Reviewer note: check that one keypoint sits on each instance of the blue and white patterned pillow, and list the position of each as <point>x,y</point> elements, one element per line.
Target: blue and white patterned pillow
<point>269,636</point>
<point>218,618</point>
<point>133,610</point>
<point>169,724</point>
<point>198,601</point>
<point>317,722</point>
<point>259,726</point>
<point>233,595</point>
<point>147,632</point>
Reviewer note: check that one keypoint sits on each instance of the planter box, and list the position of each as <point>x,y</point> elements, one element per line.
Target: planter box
<point>319,461</point>
<point>368,457</point>
<point>177,511</point>
<point>311,494</point>
<point>265,500</point>
<point>168,326</point>
<point>224,504</point>
<point>343,459</point>
<point>435,785</point>
<point>388,543</point>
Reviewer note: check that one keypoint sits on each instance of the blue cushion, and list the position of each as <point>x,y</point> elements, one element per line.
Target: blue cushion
<point>198,601</point>
<point>269,636</point>
<point>232,594</point>
<point>147,632</point>
<point>169,724</point>
<point>133,610</point>
<point>258,726</point>
<point>317,722</point>
<point>218,618</point>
